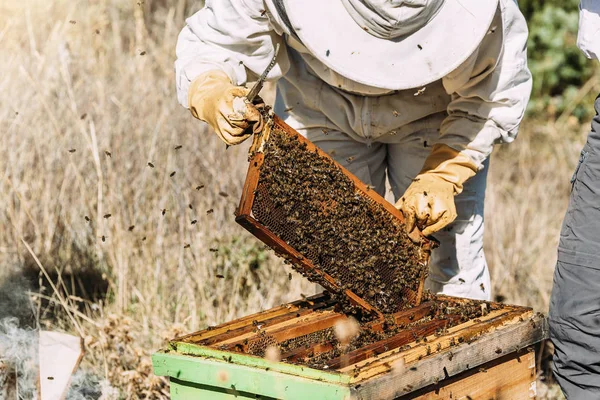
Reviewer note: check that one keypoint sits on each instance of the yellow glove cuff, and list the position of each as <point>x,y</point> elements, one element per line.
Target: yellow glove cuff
<point>448,164</point>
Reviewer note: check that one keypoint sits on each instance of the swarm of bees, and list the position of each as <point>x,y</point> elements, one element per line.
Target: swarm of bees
<point>163,211</point>
<point>307,201</point>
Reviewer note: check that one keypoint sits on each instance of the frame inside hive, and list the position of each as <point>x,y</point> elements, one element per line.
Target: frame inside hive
<point>342,286</point>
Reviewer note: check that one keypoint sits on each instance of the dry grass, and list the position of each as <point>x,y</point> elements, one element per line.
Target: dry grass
<point>97,77</point>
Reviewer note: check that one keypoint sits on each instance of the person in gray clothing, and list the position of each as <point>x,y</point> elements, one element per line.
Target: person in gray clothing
<point>575,301</point>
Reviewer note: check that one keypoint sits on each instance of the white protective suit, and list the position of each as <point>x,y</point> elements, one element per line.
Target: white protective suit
<point>376,132</point>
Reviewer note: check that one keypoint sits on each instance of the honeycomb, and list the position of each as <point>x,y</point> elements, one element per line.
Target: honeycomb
<point>309,202</point>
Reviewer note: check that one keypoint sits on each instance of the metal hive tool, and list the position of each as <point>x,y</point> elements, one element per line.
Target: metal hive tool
<point>371,277</point>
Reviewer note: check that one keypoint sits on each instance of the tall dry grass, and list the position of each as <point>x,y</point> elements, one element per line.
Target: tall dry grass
<point>87,101</point>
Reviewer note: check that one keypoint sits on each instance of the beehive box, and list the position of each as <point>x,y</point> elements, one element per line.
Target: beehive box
<point>443,348</point>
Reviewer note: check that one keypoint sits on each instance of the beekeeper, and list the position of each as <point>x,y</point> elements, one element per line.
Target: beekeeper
<point>575,302</point>
<point>415,90</point>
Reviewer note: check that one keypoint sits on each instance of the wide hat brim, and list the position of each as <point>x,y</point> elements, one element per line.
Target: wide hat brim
<point>438,48</point>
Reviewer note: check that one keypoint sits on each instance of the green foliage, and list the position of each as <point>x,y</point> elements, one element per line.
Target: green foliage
<point>559,68</point>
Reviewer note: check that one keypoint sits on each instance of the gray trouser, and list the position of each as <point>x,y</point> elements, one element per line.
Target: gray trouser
<point>575,301</point>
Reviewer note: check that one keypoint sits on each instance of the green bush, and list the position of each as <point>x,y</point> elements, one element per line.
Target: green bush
<point>559,68</point>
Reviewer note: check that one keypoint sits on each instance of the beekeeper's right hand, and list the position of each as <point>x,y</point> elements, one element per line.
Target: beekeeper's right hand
<point>213,99</point>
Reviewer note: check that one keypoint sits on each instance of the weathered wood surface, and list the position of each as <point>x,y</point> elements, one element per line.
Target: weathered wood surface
<point>403,378</point>
<point>285,312</point>
<point>418,362</point>
<point>512,377</point>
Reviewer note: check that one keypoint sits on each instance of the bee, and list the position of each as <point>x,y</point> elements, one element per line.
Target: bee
<point>83,116</point>
<point>223,194</point>
<point>396,113</point>
<point>420,47</point>
<point>172,174</point>
<point>498,350</point>
<point>72,150</point>
<point>87,219</point>
<point>210,211</point>
<point>178,147</point>
<point>220,276</point>
<point>186,246</point>
<point>482,287</point>
<point>151,165</point>
<point>425,143</point>
<point>288,109</point>
<point>190,206</point>
<point>227,147</point>
<point>461,280</point>
<point>107,216</point>
<point>72,22</point>
<point>327,53</point>
<point>194,222</point>
<point>97,31</point>
<point>131,228</point>
<point>325,131</point>
<point>263,12</point>
<point>143,53</point>
<point>213,250</point>
<point>482,370</point>
<point>144,239</point>
<point>290,276</point>
<point>163,211</point>
<point>420,91</point>
<point>104,238</point>
<point>199,187</point>
<point>350,159</point>
<point>108,153</point>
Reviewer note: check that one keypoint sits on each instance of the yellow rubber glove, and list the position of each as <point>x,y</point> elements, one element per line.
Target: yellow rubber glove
<point>215,100</point>
<point>429,201</point>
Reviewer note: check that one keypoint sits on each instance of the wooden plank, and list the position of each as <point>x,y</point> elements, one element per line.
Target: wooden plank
<point>465,356</point>
<point>402,338</point>
<point>313,303</point>
<point>59,357</point>
<point>511,377</point>
<point>286,330</point>
<point>205,364</point>
<point>248,192</point>
<point>467,335</point>
<point>380,364</point>
<point>302,353</point>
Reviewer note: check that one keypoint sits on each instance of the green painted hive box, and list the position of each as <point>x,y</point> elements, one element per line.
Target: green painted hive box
<point>446,348</point>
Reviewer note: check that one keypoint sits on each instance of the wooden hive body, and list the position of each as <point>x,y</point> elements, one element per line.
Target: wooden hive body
<point>484,358</point>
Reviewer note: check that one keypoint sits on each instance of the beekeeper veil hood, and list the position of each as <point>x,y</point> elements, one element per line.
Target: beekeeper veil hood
<point>391,44</point>
<point>387,19</point>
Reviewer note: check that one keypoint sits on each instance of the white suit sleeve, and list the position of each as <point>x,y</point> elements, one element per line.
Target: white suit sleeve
<point>234,36</point>
<point>490,90</point>
<point>588,38</point>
